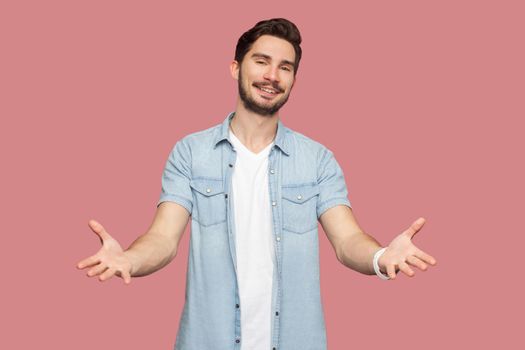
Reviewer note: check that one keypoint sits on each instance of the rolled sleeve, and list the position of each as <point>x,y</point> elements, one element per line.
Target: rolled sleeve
<point>176,178</point>
<point>332,185</point>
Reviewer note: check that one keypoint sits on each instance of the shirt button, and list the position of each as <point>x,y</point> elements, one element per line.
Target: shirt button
<point>278,238</point>
<point>230,165</point>
<point>277,313</point>
<point>274,203</point>
<point>208,190</point>
<point>299,197</point>
<point>272,171</point>
<point>237,306</point>
<point>237,340</point>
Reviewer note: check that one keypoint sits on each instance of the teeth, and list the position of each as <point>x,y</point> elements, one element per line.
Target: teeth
<point>268,91</point>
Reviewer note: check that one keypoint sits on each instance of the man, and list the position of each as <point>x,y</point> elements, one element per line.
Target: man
<point>255,190</point>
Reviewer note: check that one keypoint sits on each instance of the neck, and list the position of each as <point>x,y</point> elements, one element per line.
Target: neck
<point>253,130</point>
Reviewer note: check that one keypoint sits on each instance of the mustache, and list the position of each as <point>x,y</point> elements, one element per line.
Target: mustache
<point>273,86</point>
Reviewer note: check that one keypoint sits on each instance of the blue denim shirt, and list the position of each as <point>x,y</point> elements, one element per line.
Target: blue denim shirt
<point>304,181</point>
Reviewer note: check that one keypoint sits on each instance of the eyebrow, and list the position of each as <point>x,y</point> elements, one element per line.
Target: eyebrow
<point>262,55</point>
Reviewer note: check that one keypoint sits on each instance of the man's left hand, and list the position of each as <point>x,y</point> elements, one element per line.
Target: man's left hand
<point>401,253</point>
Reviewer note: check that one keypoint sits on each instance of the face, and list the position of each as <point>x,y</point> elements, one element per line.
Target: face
<point>266,75</point>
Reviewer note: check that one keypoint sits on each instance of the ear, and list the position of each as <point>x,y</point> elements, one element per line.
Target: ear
<point>234,69</point>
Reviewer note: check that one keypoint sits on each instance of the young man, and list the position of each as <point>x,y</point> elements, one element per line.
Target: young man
<point>255,190</point>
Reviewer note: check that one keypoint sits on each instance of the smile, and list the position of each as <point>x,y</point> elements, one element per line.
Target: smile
<point>266,90</point>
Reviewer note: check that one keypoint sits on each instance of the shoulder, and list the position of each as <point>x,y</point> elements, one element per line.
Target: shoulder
<point>305,145</point>
<point>200,137</point>
<point>196,143</point>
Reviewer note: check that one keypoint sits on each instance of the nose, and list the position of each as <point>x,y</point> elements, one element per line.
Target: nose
<point>272,74</point>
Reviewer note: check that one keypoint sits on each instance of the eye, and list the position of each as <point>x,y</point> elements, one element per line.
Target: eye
<point>260,62</point>
<point>286,68</point>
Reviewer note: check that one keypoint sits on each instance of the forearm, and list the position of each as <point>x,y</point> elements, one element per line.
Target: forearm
<point>358,252</point>
<point>149,253</point>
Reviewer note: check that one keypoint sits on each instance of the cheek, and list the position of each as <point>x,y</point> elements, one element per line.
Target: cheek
<point>289,87</point>
<point>248,77</point>
<point>256,72</point>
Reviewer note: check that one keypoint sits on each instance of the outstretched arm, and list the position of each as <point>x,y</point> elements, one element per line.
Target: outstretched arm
<point>147,254</point>
<point>355,249</point>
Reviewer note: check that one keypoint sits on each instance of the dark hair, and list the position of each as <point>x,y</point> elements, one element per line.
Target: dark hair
<point>278,27</point>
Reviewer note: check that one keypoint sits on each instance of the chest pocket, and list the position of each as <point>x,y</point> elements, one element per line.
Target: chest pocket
<point>208,196</point>
<point>299,207</point>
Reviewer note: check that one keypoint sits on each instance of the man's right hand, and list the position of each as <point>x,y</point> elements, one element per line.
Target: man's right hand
<point>109,260</point>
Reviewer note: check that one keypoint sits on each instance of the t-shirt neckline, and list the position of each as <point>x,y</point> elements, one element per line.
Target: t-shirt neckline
<point>240,146</point>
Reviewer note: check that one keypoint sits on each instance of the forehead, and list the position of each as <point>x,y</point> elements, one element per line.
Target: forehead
<point>277,48</point>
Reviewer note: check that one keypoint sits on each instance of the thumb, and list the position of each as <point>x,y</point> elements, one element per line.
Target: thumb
<point>415,227</point>
<point>99,230</point>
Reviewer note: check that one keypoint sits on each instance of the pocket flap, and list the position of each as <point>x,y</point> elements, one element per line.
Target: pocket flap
<point>301,193</point>
<point>207,187</point>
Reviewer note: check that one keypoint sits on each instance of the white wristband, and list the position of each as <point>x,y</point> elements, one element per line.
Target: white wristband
<point>377,255</point>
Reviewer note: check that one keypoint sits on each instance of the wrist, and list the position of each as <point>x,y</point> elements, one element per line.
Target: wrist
<point>133,262</point>
<point>380,272</point>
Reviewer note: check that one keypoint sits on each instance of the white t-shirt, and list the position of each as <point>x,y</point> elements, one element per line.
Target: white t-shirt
<point>254,245</point>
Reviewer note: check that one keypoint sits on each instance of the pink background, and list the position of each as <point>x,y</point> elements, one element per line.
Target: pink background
<point>418,100</point>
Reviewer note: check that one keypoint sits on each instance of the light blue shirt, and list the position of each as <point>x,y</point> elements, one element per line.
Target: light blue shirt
<point>304,181</point>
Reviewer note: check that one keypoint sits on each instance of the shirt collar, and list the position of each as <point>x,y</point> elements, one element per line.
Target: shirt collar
<point>280,138</point>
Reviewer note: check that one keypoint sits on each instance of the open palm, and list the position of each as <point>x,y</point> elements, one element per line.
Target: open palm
<point>109,260</point>
<point>401,253</point>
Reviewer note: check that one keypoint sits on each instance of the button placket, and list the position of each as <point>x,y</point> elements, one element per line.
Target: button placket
<point>275,183</point>
<point>229,167</point>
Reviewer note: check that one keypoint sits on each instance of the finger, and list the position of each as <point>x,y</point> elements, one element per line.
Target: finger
<point>98,229</point>
<point>126,276</point>
<point>412,260</point>
<point>415,227</point>
<point>92,260</point>
<point>107,274</point>
<point>425,257</point>
<point>391,271</point>
<point>97,270</point>
<point>406,269</point>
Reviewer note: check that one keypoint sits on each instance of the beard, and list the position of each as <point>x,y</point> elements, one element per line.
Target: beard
<point>255,107</point>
